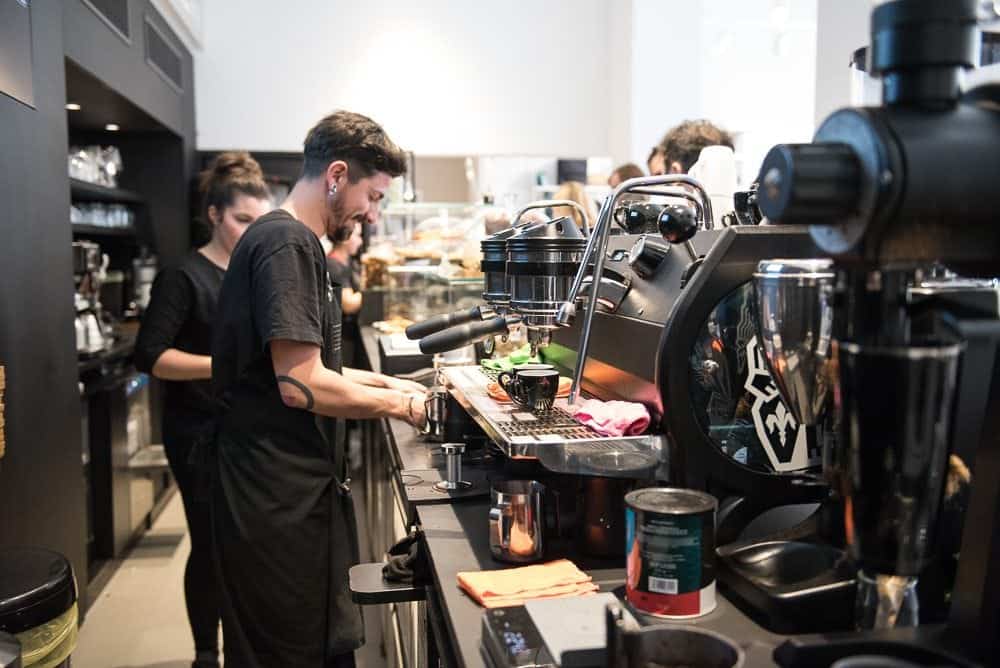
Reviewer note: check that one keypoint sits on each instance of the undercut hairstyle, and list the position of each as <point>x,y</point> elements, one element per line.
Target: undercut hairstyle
<point>357,140</point>
<point>230,173</point>
<point>683,143</point>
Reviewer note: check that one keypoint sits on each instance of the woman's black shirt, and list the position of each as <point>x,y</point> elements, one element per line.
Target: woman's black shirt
<point>181,314</point>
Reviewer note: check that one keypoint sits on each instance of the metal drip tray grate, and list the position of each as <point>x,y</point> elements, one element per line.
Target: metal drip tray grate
<point>556,423</point>
<point>554,438</point>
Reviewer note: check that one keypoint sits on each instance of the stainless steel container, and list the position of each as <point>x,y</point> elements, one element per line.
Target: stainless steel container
<point>436,410</point>
<point>631,646</point>
<point>516,521</point>
<point>795,328</point>
<point>494,266</point>
<point>541,263</point>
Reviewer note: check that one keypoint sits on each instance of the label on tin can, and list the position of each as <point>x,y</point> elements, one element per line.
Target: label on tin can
<point>670,565</point>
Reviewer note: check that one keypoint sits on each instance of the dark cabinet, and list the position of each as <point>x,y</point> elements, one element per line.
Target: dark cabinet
<point>140,69</point>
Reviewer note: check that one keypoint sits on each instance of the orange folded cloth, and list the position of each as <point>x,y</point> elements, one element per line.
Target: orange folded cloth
<point>513,586</point>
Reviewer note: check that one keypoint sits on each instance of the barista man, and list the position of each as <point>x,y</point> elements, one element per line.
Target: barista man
<point>283,523</point>
<point>680,147</point>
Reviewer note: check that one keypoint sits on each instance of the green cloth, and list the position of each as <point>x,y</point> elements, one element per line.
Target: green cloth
<point>520,356</point>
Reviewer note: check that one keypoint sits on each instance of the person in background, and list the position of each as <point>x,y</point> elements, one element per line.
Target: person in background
<point>655,163</point>
<point>282,515</point>
<point>343,272</point>
<point>682,145</point>
<point>624,172</point>
<point>576,192</point>
<point>174,345</point>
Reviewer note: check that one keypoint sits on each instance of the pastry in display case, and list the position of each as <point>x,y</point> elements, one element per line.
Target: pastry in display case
<point>423,260</point>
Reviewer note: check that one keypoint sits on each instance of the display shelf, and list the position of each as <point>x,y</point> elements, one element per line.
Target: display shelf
<point>101,230</point>
<point>82,191</point>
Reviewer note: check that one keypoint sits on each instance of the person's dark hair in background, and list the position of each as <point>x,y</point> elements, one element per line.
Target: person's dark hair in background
<point>624,172</point>
<point>231,173</point>
<point>654,162</point>
<point>174,344</point>
<point>682,145</point>
<point>228,175</point>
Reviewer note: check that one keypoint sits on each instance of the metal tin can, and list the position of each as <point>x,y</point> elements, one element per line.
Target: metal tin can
<point>670,543</point>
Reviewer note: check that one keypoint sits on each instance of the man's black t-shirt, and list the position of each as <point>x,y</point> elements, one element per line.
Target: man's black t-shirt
<point>181,315</point>
<point>283,528</point>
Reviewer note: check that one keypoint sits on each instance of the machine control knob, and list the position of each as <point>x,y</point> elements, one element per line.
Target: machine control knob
<point>646,256</point>
<point>678,223</point>
<point>638,217</point>
<point>816,184</point>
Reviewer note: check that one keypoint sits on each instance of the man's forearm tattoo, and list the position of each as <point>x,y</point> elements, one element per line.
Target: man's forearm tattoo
<point>302,388</point>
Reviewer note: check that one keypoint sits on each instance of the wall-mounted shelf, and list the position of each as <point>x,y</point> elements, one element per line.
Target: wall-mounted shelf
<point>101,230</point>
<point>82,191</point>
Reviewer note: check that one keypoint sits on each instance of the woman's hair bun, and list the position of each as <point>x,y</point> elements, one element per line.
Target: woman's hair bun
<point>228,174</point>
<point>231,166</point>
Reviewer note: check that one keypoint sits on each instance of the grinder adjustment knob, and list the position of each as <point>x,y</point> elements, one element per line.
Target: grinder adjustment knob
<point>646,256</point>
<point>677,223</point>
<point>816,184</point>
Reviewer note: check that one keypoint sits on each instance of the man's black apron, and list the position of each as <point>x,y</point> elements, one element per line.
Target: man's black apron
<point>285,534</point>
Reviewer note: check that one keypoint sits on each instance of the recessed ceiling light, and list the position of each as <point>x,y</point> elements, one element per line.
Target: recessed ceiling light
<point>112,127</point>
<point>72,106</point>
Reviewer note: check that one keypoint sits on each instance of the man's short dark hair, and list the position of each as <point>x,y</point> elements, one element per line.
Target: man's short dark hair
<point>357,140</point>
<point>684,142</point>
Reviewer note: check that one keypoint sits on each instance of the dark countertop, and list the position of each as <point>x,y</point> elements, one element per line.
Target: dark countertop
<point>456,537</point>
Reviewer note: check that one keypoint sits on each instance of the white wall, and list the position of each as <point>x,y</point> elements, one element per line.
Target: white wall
<point>746,65</point>
<point>445,77</point>
<point>666,72</point>
<point>568,78</point>
<point>842,28</point>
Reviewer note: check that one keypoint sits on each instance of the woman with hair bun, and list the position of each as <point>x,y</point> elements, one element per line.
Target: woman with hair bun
<point>174,345</point>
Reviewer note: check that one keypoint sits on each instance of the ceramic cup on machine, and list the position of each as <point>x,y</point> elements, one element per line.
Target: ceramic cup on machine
<point>517,521</point>
<point>533,366</point>
<point>534,389</point>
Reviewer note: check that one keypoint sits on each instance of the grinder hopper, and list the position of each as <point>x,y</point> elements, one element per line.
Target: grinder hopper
<point>794,321</point>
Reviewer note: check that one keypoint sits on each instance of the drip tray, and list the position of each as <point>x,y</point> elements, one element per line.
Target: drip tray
<point>790,586</point>
<point>555,439</point>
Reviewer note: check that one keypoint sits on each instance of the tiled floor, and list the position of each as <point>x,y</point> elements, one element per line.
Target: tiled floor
<point>139,620</point>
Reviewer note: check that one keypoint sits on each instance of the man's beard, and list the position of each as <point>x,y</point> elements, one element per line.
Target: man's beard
<point>339,227</point>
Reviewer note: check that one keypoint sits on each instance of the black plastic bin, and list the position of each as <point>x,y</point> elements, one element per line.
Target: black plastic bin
<point>38,605</point>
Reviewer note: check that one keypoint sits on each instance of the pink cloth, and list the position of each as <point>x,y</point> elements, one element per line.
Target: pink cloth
<point>612,418</point>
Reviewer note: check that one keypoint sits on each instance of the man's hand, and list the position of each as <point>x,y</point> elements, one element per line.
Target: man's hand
<point>403,385</point>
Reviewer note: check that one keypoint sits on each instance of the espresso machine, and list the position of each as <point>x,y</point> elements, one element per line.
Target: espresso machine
<point>908,363</point>
<point>89,267</point>
<point>495,317</point>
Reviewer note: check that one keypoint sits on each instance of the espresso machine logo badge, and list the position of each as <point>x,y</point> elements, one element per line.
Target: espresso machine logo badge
<point>783,439</point>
